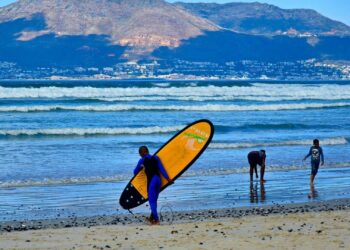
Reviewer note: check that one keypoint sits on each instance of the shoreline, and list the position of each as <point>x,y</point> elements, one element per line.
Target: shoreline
<point>179,80</point>
<point>82,204</point>
<point>323,225</point>
<point>177,217</point>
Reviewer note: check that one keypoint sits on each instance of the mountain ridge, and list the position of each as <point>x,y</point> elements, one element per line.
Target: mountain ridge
<point>136,23</point>
<point>265,19</point>
<point>70,34</point>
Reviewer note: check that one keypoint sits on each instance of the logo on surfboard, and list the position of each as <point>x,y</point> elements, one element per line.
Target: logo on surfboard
<point>198,138</point>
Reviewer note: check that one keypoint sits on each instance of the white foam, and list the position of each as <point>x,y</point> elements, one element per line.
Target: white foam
<point>208,107</point>
<point>90,131</point>
<point>260,92</point>
<point>49,182</point>
<point>326,141</point>
<point>213,171</point>
<point>208,171</point>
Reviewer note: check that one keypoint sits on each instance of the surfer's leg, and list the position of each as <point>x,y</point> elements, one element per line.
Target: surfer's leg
<point>314,170</point>
<point>153,193</point>
<point>252,166</point>
<point>262,173</point>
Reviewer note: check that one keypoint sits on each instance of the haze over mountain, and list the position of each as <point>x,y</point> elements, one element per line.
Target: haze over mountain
<point>72,33</point>
<point>265,19</point>
<point>143,24</point>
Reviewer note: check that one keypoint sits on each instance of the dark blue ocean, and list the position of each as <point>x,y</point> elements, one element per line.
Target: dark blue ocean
<point>70,147</point>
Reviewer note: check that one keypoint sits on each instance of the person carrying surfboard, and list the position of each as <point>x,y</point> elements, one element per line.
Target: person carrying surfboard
<point>316,154</point>
<point>153,168</point>
<point>257,158</point>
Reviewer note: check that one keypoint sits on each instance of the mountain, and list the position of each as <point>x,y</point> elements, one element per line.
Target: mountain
<point>264,19</point>
<point>234,46</point>
<point>73,35</point>
<point>144,24</point>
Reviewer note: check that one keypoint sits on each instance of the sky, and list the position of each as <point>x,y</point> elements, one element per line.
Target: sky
<point>335,9</point>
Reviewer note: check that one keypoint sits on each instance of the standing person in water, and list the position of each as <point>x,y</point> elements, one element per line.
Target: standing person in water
<point>257,158</point>
<point>316,154</point>
<point>153,168</point>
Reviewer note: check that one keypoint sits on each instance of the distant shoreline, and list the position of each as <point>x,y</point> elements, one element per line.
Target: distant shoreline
<point>175,80</point>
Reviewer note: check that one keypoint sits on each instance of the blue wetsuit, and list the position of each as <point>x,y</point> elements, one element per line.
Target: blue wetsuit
<point>154,184</point>
<point>316,154</point>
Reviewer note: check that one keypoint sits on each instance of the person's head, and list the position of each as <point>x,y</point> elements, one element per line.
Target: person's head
<point>316,142</point>
<point>263,153</point>
<point>143,150</point>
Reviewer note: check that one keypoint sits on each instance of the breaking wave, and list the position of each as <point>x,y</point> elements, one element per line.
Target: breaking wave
<point>208,107</point>
<point>327,141</point>
<point>209,171</point>
<point>257,91</point>
<point>67,181</point>
<point>89,131</point>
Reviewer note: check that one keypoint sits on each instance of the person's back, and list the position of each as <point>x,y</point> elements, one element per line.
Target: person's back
<point>257,158</point>
<point>151,167</point>
<point>316,153</point>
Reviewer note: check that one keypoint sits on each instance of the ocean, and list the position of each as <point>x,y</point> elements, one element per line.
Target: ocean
<point>70,147</point>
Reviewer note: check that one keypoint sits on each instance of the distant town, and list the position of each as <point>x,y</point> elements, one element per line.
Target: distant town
<point>173,70</point>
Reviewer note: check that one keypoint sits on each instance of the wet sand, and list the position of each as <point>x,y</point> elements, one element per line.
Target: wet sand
<point>322,225</point>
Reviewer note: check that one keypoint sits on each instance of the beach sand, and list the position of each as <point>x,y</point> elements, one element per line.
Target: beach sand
<point>276,227</point>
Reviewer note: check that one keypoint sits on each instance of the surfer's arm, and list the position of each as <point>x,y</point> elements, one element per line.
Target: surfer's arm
<point>138,166</point>
<point>321,154</point>
<point>306,156</point>
<point>162,169</point>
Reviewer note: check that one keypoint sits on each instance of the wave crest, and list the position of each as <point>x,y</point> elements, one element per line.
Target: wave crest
<point>209,171</point>
<point>257,91</point>
<point>208,107</point>
<point>327,141</point>
<point>89,131</point>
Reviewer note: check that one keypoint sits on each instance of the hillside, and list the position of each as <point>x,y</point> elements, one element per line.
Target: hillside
<point>145,24</point>
<point>264,19</point>
<point>72,36</point>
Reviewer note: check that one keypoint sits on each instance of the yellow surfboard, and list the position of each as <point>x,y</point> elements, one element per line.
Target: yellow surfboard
<point>177,155</point>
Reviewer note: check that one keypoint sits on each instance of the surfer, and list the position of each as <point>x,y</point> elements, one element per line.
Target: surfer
<point>153,168</point>
<point>316,154</point>
<point>257,158</point>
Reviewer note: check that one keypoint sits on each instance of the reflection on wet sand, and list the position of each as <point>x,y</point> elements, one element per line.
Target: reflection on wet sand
<point>254,192</point>
<point>313,192</point>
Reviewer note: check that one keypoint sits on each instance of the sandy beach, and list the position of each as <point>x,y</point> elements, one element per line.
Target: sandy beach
<point>324,225</point>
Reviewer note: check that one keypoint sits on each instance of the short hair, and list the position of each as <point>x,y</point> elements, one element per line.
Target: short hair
<point>316,141</point>
<point>143,148</point>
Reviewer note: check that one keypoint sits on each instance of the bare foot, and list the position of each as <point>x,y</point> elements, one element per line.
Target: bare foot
<point>155,223</point>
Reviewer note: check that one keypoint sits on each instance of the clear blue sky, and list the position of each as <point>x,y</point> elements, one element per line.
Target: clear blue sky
<point>334,9</point>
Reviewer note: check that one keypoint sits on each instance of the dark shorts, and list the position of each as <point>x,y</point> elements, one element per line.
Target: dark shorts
<point>314,167</point>
<point>253,162</point>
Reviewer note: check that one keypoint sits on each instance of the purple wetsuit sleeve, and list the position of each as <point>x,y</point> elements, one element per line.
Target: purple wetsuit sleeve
<point>161,168</point>
<point>321,154</point>
<point>138,166</point>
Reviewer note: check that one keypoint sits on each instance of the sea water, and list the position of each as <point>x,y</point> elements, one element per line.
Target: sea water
<point>70,147</point>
